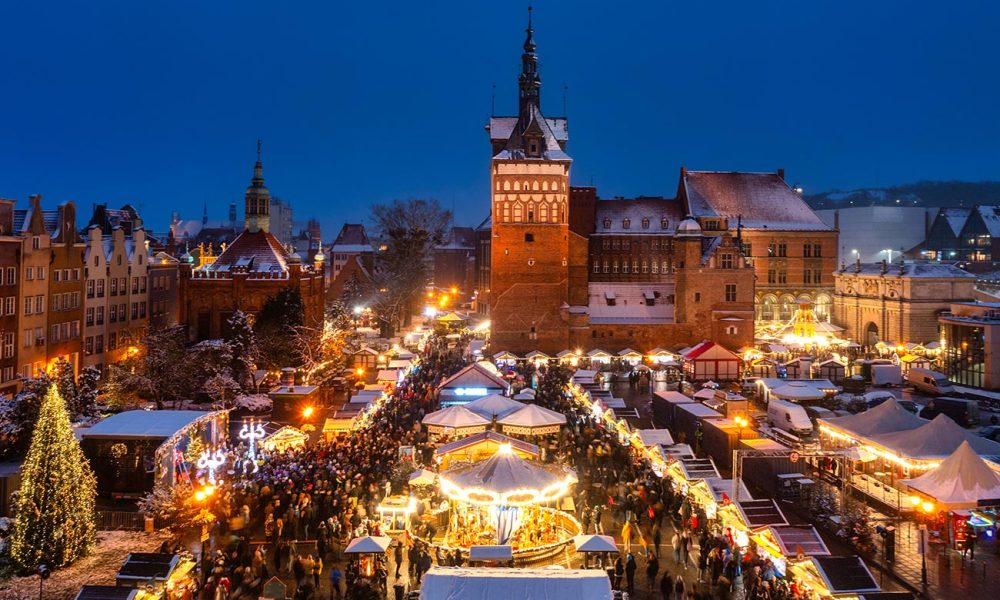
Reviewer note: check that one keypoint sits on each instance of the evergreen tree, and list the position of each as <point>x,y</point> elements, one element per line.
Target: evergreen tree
<point>19,414</point>
<point>87,389</point>
<point>243,345</point>
<point>55,511</point>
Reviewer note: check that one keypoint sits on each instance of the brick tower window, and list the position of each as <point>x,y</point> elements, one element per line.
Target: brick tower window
<point>529,237</point>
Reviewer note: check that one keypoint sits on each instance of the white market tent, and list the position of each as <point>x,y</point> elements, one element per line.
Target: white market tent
<point>584,376</point>
<point>497,583</point>
<point>533,419</point>
<point>595,543</point>
<point>961,481</point>
<point>797,391</point>
<point>528,392</point>
<point>494,405</point>
<point>455,417</point>
<point>884,418</point>
<point>935,440</point>
<point>504,473</point>
<point>422,477</point>
<point>368,545</point>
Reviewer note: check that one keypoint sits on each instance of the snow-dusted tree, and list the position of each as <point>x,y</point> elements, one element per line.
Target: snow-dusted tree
<point>19,414</point>
<point>223,389</point>
<point>243,345</point>
<point>160,371</point>
<point>55,509</point>
<point>323,351</point>
<point>88,386</point>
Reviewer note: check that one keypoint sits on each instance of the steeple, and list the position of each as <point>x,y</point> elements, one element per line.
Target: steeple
<point>529,83</point>
<point>258,199</point>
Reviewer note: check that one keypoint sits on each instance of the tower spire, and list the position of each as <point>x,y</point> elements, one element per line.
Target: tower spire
<point>257,199</point>
<point>529,83</point>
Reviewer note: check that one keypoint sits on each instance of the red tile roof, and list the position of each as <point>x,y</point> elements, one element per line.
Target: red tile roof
<point>764,200</point>
<point>256,251</point>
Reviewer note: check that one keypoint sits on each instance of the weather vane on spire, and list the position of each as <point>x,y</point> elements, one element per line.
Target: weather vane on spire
<point>258,148</point>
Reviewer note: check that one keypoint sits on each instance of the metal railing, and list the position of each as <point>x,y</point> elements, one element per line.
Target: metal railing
<point>119,520</point>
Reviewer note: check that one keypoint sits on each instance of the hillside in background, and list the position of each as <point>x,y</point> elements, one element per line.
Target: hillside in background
<point>923,193</point>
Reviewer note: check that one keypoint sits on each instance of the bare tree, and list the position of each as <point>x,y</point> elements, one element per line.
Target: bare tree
<point>408,231</point>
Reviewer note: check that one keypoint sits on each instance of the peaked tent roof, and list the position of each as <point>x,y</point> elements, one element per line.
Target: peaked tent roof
<point>595,543</point>
<point>474,375</point>
<point>506,472</point>
<point>960,481</point>
<point>937,439</point>
<point>486,436</point>
<point>706,349</point>
<point>884,418</point>
<point>533,415</point>
<point>455,417</point>
<point>494,405</point>
<point>368,545</point>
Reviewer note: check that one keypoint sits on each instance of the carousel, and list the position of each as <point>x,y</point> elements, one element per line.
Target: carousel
<point>508,500</point>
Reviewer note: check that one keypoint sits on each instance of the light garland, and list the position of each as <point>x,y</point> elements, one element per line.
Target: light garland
<point>519,497</point>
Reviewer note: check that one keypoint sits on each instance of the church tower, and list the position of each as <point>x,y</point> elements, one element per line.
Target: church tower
<point>530,294</point>
<point>258,200</point>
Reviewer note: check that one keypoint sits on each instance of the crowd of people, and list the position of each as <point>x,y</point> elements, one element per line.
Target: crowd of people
<point>303,505</point>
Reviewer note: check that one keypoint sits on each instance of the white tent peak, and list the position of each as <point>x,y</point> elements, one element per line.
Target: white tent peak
<point>455,417</point>
<point>533,415</point>
<point>494,405</point>
<point>961,480</point>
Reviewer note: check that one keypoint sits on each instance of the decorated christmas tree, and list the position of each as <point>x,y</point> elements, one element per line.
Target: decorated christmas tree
<point>55,510</point>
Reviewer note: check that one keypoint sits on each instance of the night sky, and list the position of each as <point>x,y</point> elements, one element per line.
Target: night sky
<point>160,103</point>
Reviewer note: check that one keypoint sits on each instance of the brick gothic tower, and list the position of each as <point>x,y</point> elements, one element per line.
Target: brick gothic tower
<point>531,248</point>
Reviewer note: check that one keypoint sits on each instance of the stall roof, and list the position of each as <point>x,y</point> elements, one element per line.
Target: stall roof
<point>496,583</point>
<point>936,439</point>
<point>399,363</point>
<point>142,424</point>
<point>491,553</point>
<point>963,480</point>
<point>106,592</point>
<point>793,539</point>
<point>533,415</point>
<point>483,436</point>
<point>761,513</point>
<point>675,397</point>
<point>388,375</point>
<point>698,468</point>
<point>655,437</point>
<point>700,410</point>
<point>146,566</point>
<point>594,543</point>
<point>720,489</point>
<point>456,417</point>
<point>368,545</point>
<point>506,472</point>
<point>494,405</point>
<point>887,417</point>
<point>845,574</point>
<point>474,375</point>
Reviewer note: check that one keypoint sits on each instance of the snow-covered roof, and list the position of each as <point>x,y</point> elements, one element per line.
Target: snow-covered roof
<point>655,437</point>
<point>539,126</point>
<point>499,583</point>
<point>142,424</point>
<point>455,417</point>
<point>955,217</point>
<point>257,251</point>
<point>502,127</point>
<point>613,214</point>
<point>763,200</point>
<point>936,439</point>
<point>494,405</point>
<point>486,436</point>
<point>928,270</point>
<point>991,219</point>
<point>474,375</point>
<point>630,303</point>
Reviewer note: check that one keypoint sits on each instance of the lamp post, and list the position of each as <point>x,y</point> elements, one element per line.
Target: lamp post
<point>741,422</point>
<point>211,461</point>
<point>251,432</point>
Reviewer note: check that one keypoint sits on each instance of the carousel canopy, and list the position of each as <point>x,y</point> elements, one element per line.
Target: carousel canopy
<point>797,391</point>
<point>422,477</point>
<point>595,543</point>
<point>936,439</point>
<point>960,481</point>
<point>532,416</point>
<point>494,405</point>
<point>368,545</point>
<point>884,418</point>
<point>455,417</point>
<point>500,583</point>
<point>506,479</point>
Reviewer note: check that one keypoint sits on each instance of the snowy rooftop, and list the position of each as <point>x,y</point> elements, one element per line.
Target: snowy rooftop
<point>611,216</point>
<point>142,424</point>
<point>763,199</point>
<point>630,303</point>
<point>930,270</point>
<point>991,219</point>
<point>956,217</point>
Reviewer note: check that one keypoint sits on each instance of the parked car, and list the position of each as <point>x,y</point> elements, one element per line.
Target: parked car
<point>991,432</point>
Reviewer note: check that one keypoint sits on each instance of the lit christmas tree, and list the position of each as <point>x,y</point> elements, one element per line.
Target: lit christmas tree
<point>55,511</point>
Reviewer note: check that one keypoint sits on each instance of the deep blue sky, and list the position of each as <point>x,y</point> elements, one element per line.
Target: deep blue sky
<point>159,103</point>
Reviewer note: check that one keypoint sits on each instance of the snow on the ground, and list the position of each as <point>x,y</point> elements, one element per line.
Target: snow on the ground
<point>98,568</point>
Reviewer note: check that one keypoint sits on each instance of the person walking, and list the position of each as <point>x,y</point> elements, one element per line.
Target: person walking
<point>652,568</point>
<point>397,554</point>
<point>666,585</point>
<point>679,588</point>
<point>630,567</point>
<point>335,577</point>
<point>619,571</point>
<point>317,570</point>
<point>675,541</point>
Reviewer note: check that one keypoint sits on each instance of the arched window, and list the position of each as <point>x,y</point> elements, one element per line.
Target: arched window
<point>545,186</point>
<point>656,267</point>
<point>543,212</point>
<point>823,308</point>
<point>518,212</point>
<point>555,212</point>
<point>645,222</point>
<point>531,212</point>
<point>506,186</point>
<point>534,185</point>
<point>607,223</point>
<point>506,212</point>
<point>664,267</point>
<point>517,186</point>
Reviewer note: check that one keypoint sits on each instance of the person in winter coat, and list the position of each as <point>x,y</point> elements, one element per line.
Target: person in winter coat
<point>652,568</point>
<point>666,586</point>
<point>630,567</point>
<point>679,588</point>
<point>619,571</point>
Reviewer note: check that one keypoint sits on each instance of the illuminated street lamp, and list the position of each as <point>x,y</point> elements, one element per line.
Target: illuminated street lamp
<point>307,412</point>
<point>741,422</point>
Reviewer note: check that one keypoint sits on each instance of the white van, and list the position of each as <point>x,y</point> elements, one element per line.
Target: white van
<point>789,417</point>
<point>930,382</point>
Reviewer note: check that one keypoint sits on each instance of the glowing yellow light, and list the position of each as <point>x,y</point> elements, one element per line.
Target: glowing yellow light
<point>307,412</point>
<point>199,495</point>
<point>360,371</point>
<point>454,290</point>
<point>505,449</point>
<point>914,500</point>
<point>927,506</point>
<point>209,490</point>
